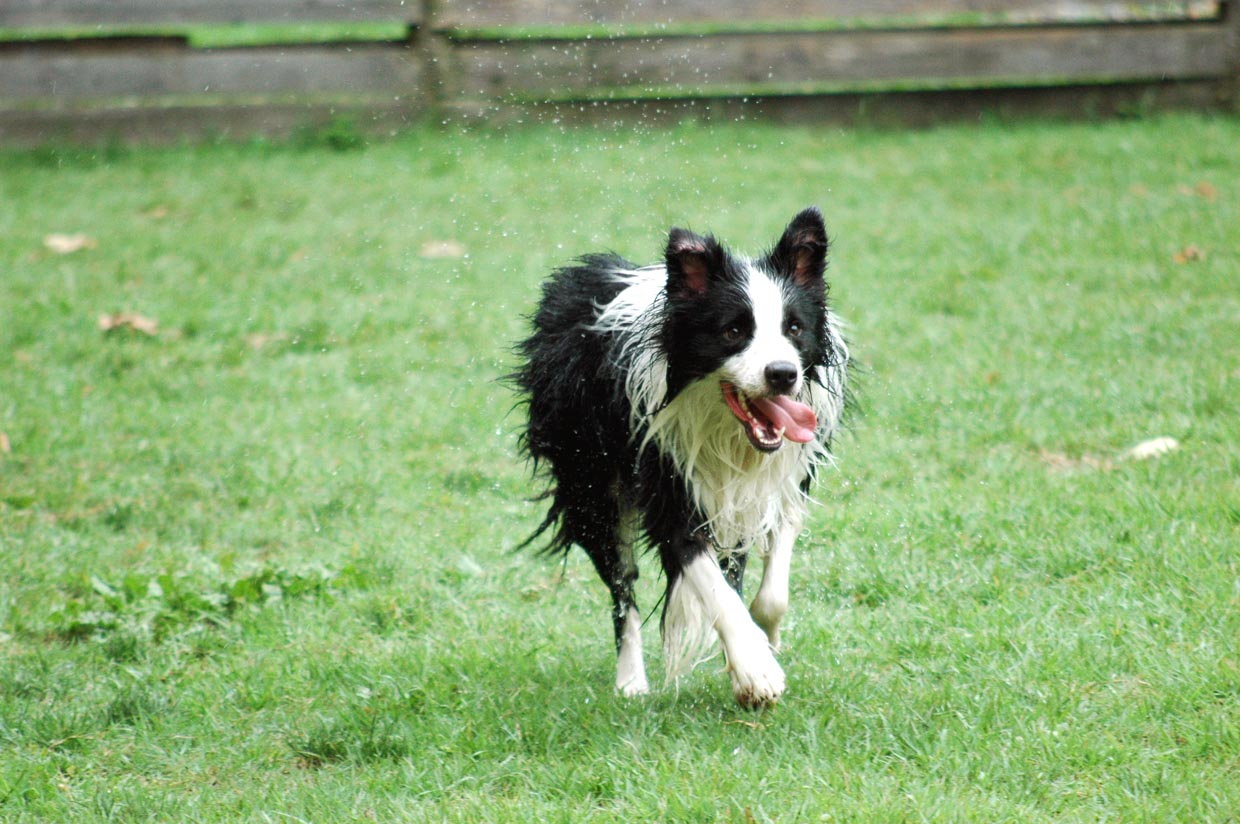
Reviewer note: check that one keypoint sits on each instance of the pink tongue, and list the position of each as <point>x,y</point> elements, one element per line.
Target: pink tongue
<point>797,419</point>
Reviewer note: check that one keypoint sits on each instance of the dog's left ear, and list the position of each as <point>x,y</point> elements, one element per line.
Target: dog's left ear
<point>802,251</point>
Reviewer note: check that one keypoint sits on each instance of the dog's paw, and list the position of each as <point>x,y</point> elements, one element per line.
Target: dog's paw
<point>633,687</point>
<point>757,678</point>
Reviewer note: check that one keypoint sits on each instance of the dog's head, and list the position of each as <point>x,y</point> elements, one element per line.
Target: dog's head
<point>756,326</point>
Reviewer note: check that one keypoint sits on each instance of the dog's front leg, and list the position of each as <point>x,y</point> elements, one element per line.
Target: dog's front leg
<point>771,603</point>
<point>757,679</point>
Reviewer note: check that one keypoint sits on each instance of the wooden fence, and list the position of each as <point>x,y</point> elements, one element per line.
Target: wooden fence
<point>137,68</point>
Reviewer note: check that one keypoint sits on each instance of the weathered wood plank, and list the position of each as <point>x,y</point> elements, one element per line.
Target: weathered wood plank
<point>913,108</point>
<point>479,14</point>
<point>230,120</point>
<point>166,67</point>
<point>235,121</point>
<point>53,13</point>
<point>1054,54</point>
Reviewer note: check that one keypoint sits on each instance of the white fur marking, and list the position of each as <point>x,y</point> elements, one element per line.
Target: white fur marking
<point>771,603</point>
<point>757,679</point>
<point>630,668</point>
<point>747,369</point>
<point>742,493</point>
<point>632,318</point>
<point>688,629</point>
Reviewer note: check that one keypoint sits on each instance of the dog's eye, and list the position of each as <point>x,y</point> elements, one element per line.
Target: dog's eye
<point>794,329</point>
<point>733,333</point>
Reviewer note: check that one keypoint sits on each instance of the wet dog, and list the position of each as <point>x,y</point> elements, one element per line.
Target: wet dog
<point>685,406</point>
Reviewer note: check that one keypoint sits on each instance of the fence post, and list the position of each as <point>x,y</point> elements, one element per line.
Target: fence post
<point>1230,10</point>
<point>439,62</point>
<point>430,50</point>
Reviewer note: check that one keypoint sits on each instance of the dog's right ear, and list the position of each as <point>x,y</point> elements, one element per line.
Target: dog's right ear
<point>693,262</point>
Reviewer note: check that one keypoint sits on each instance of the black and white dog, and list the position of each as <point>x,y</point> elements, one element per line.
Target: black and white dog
<point>686,405</point>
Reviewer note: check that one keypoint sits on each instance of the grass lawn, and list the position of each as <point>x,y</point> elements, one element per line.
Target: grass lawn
<point>256,563</point>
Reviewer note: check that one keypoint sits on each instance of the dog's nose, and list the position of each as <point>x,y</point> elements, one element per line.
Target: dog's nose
<point>781,376</point>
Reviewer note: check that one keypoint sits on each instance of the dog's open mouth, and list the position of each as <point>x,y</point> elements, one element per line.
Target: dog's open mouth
<point>767,421</point>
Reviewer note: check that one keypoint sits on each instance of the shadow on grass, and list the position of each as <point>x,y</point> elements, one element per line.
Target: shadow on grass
<point>528,702</point>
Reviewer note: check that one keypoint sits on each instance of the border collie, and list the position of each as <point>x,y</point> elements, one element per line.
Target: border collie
<point>685,406</point>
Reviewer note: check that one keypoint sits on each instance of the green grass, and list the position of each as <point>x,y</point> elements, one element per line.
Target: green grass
<point>259,565</point>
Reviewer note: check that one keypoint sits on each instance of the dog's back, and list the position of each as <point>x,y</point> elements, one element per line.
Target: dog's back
<point>578,421</point>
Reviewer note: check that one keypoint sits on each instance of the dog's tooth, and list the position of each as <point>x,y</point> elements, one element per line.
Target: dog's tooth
<point>779,433</point>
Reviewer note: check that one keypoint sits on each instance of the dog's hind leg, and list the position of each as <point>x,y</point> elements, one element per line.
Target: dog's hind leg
<point>615,559</point>
<point>630,666</point>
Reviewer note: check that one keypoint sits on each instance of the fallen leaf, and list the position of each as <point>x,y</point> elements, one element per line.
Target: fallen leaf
<point>1189,254</point>
<point>1206,191</point>
<point>1064,463</point>
<point>1073,193</point>
<point>128,320</point>
<point>158,212</point>
<point>442,249</point>
<point>6,447</point>
<point>258,340</point>
<point>1152,448</point>
<point>68,244</point>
